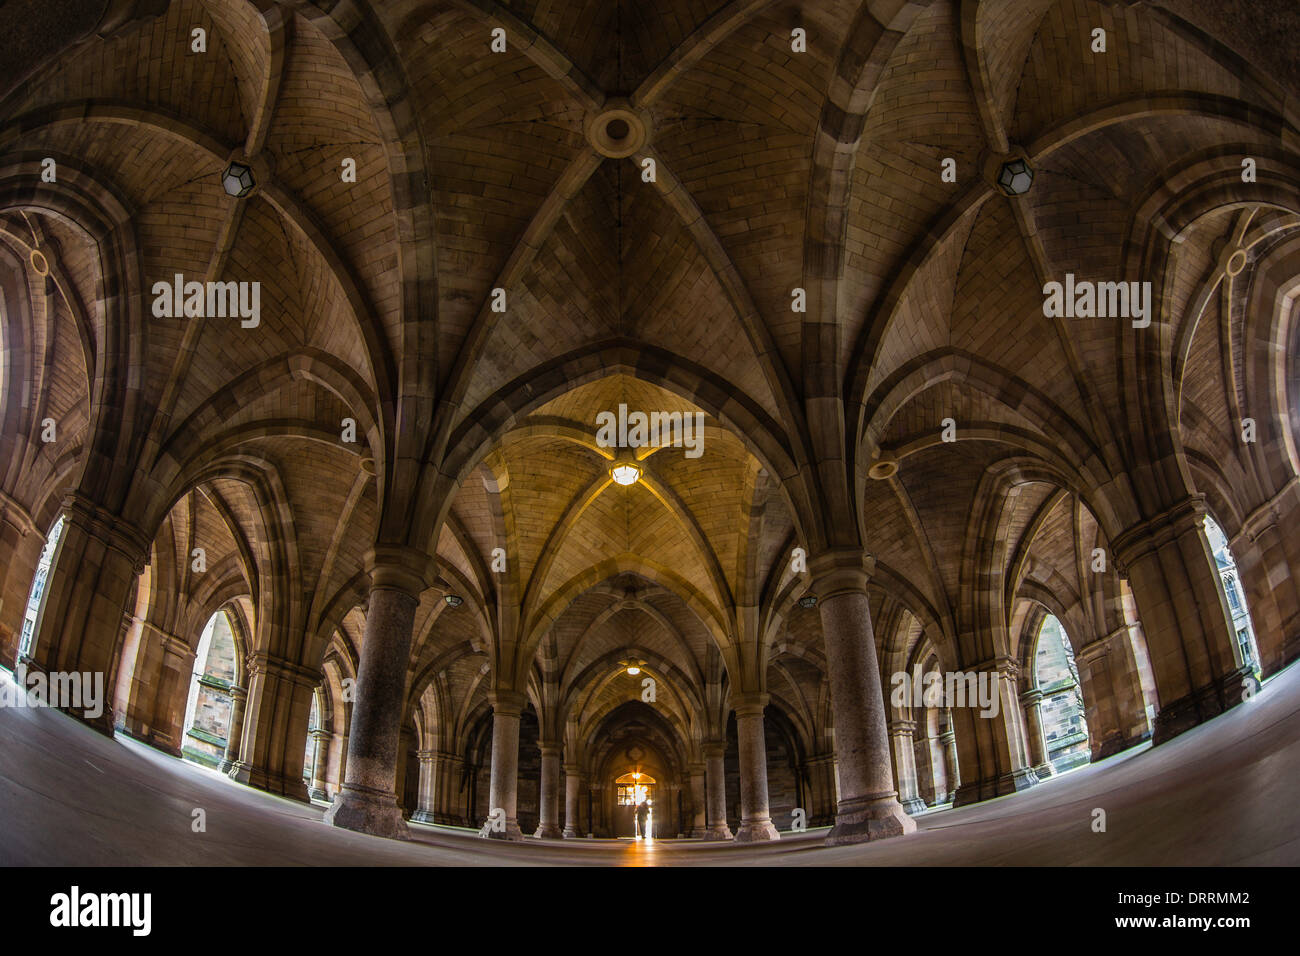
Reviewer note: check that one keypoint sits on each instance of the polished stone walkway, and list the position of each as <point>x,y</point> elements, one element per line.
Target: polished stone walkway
<point>1224,793</point>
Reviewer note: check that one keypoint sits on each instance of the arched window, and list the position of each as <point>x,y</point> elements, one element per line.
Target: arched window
<point>1065,729</point>
<point>33,613</point>
<point>634,788</point>
<point>313,724</point>
<point>1224,563</point>
<point>207,711</point>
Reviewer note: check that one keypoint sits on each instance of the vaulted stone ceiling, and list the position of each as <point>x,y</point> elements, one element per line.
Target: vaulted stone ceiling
<point>774,171</point>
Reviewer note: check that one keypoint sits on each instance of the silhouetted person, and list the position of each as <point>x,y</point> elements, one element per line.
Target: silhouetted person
<point>642,818</point>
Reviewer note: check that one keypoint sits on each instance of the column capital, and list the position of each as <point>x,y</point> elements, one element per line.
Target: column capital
<point>1032,696</point>
<point>1267,515</point>
<point>571,769</point>
<point>283,670</point>
<point>842,571</point>
<point>400,568</point>
<point>749,704</point>
<point>118,533</point>
<point>901,726</point>
<point>176,648</point>
<point>507,703</point>
<point>1094,650</point>
<point>1138,540</point>
<point>713,748</point>
<point>13,512</point>
<point>1002,664</point>
<point>549,750</point>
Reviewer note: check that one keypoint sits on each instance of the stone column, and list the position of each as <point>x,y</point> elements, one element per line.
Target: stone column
<point>273,751</point>
<point>948,745</point>
<point>1113,695</point>
<point>319,758</point>
<point>572,803</point>
<point>424,808</point>
<point>446,791</point>
<point>992,743</point>
<point>593,814</point>
<point>822,791</point>
<point>548,824</point>
<point>504,788</point>
<point>20,552</point>
<point>167,730</point>
<point>1032,702</point>
<point>87,598</point>
<point>755,815</point>
<point>235,732</point>
<point>368,800</point>
<point>716,789</point>
<point>900,733</point>
<point>1268,560</point>
<point>923,757</point>
<point>1184,616</point>
<point>152,667</point>
<point>868,807</point>
<point>699,827</point>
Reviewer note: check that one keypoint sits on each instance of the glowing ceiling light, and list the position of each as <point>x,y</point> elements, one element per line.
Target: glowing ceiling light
<point>633,669</point>
<point>237,180</point>
<point>625,473</point>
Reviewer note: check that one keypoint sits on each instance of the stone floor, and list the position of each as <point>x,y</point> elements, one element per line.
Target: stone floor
<point>1224,793</point>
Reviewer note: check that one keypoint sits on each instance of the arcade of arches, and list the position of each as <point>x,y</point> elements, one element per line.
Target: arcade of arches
<point>369,546</point>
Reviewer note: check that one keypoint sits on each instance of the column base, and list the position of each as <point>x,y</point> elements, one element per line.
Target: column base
<point>424,816</point>
<point>570,833</point>
<point>1199,706</point>
<point>866,820</point>
<point>159,742</point>
<point>1286,654</point>
<point>717,831</point>
<point>1115,744</point>
<point>1043,771</point>
<point>294,789</point>
<point>549,831</point>
<point>915,805</point>
<point>756,831</point>
<point>103,724</point>
<point>978,790</point>
<point>511,833</point>
<point>367,811</point>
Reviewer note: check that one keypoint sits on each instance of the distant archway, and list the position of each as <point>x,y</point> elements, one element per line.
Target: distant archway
<point>208,707</point>
<point>1244,646</point>
<point>1065,729</point>
<point>32,616</point>
<point>632,789</point>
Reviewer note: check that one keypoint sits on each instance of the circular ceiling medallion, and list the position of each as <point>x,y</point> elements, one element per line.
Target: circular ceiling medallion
<point>1236,262</point>
<point>634,754</point>
<point>617,131</point>
<point>883,468</point>
<point>39,262</point>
